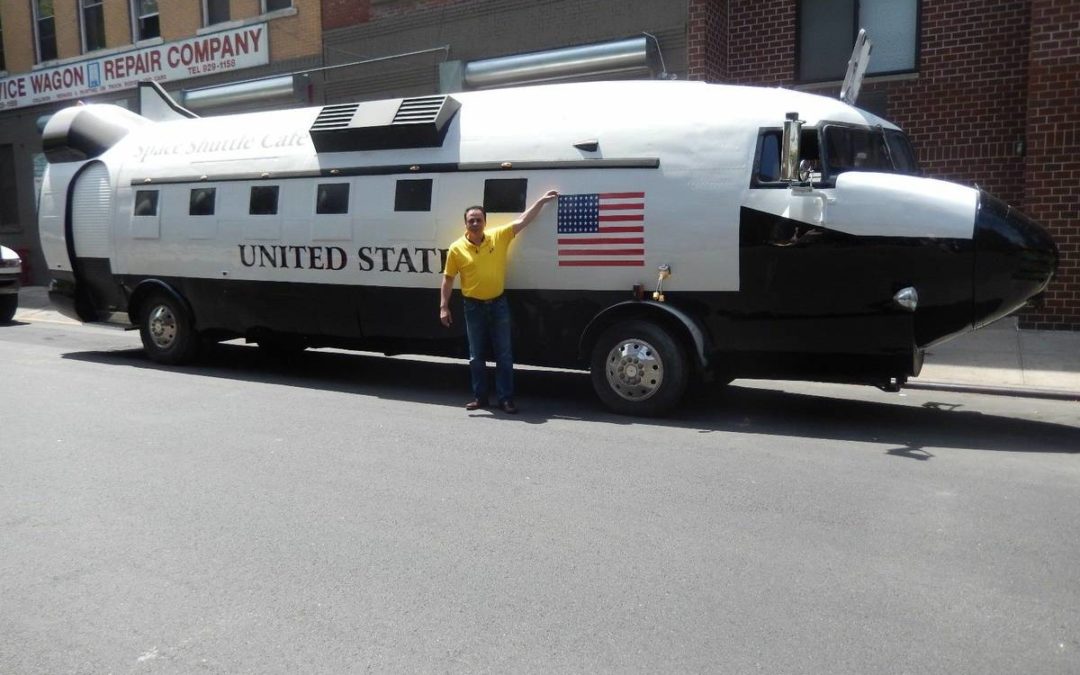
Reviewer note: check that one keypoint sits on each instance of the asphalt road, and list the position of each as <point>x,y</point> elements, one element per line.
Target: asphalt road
<point>343,513</point>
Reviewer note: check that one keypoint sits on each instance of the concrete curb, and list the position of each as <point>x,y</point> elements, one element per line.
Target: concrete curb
<point>1024,392</point>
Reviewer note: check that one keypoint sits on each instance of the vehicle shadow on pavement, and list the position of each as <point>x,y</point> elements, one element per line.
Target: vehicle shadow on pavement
<point>546,395</point>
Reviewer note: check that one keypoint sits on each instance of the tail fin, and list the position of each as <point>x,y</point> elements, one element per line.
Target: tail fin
<point>155,104</point>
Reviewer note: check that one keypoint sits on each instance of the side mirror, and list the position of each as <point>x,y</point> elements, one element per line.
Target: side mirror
<point>789,159</point>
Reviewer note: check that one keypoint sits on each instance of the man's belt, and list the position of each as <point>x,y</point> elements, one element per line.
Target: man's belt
<point>485,302</point>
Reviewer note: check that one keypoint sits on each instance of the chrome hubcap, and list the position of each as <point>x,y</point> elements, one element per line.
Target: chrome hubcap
<point>634,370</point>
<point>162,326</point>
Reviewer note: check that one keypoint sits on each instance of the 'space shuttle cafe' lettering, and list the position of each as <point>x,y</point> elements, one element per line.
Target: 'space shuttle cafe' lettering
<point>235,49</point>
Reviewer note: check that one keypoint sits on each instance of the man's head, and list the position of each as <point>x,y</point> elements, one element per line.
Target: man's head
<point>475,219</point>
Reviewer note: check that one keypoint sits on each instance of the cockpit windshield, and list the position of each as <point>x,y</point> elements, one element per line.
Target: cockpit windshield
<point>832,149</point>
<point>864,149</point>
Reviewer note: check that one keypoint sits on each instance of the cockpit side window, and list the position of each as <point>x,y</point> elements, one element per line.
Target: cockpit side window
<point>901,152</point>
<point>767,160</point>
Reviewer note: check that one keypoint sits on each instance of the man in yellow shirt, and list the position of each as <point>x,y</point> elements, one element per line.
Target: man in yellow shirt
<point>480,258</point>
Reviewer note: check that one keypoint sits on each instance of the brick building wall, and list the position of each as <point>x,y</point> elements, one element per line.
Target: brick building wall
<point>707,40</point>
<point>18,36</point>
<point>1052,170</point>
<point>761,47</point>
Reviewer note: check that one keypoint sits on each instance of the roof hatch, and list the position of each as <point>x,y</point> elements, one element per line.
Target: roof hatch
<point>381,125</point>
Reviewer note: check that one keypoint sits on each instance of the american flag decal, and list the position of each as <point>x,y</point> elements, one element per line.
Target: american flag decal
<point>605,229</point>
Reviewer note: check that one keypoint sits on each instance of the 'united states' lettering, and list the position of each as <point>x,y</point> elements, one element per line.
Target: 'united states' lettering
<point>605,229</point>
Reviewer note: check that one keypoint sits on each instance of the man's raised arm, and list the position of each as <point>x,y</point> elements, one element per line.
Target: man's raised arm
<point>533,211</point>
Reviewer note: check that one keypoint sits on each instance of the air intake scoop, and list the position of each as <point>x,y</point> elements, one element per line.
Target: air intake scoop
<point>382,125</point>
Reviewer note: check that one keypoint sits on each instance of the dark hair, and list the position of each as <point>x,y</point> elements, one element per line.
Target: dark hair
<point>475,207</point>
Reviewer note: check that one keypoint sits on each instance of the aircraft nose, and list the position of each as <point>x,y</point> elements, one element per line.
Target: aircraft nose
<point>1015,258</point>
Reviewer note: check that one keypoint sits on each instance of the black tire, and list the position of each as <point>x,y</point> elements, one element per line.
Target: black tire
<point>8,305</point>
<point>165,326</point>
<point>639,368</point>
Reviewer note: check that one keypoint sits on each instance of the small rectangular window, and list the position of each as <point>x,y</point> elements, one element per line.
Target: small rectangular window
<point>93,25</point>
<point>145,19</point>
<point>274,5</point>
<point>146,202</point>
<point>202,201</point>
<point>332,198</point>
<point>505,195</point>
<point>215,11</point>
<point>264,200</point>
<point>45,24</point>
<point>768,169</point>
<point>827,30</point>
<point>413,195</point>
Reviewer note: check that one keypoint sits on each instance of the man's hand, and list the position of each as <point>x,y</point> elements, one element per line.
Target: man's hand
<point>445,317</point>
<point>530,213</point>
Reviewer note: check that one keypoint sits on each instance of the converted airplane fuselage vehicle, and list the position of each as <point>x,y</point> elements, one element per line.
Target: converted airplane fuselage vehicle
<point>702,231</point>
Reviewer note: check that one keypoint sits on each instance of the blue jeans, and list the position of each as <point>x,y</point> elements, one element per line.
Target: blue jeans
<point>488,326</point>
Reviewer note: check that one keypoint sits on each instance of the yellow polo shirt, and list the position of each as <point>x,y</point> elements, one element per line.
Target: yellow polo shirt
<point>483,267</point>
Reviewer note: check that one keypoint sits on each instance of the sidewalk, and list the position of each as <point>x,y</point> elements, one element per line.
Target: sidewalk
<point>998,359</point>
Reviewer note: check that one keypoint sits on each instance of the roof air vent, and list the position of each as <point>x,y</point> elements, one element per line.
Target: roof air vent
<point>381,125</point>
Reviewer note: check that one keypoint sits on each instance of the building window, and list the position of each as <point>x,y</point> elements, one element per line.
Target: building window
<point>144,17</point>
<point>215,11</point>
<point>45,27</point>
<point>201,201</point>
<point>3,65</point>
<point>93,25</point>
<point>828,28</point>
<point>505,195</point>
<point>264,200</point>
<point>413,195</point>
<point>332,198</point>
<point>275,5</point>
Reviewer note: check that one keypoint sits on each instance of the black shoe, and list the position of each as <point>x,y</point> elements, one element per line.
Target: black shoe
<point>508,407</point>
<point>476,404</point>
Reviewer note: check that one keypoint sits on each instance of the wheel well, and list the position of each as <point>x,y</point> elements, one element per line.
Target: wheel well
<point>147,288</point>
<point>681,327</point>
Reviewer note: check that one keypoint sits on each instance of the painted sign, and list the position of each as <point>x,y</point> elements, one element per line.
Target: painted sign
<point>221,52</point>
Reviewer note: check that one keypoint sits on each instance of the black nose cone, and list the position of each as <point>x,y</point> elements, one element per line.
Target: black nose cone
<point>1015,258</point>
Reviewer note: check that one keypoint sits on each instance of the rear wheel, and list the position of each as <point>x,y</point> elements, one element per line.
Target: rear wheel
<point>8,305</point>
<point>639,368</point>
<point>166,330</point>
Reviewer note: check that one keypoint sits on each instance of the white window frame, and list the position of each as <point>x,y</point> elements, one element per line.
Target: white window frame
<point>266,10</point>
<point>82,23</point>
<point>37,33</point>
<point>206,14</point>
<point>135,19</point>
<point>855,22</point>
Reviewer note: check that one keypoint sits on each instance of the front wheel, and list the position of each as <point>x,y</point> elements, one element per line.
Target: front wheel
<point>166,330</point>
<point>8,305</point>
<point>639,368</point>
